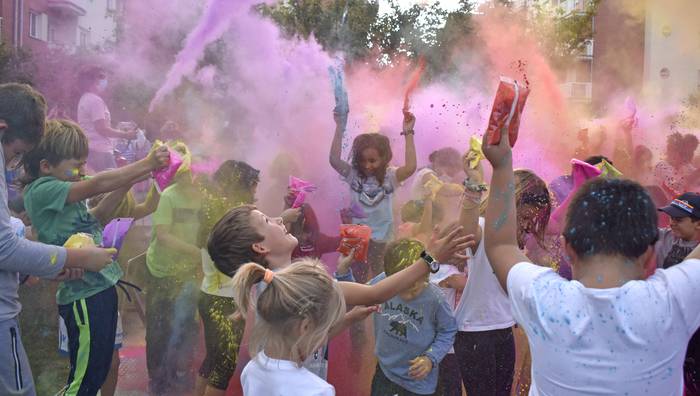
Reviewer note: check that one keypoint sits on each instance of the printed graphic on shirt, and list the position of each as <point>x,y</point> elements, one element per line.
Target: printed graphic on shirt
<point>401,318</point>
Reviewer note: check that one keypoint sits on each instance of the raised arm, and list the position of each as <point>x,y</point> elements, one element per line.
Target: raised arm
<point>451,243</point>
<point>471,200</point>
<point>500,230</point>
<point>404,172</point>
<point>116,178</point>
<point>337,162</point>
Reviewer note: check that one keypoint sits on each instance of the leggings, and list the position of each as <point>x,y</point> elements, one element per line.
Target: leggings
<point>222,337</point>
<point>486,361</point>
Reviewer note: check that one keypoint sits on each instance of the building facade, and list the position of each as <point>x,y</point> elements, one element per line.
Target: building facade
<point>72,25</point>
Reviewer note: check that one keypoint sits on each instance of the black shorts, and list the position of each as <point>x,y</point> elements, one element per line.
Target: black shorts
<point>222,338</point>
<point>92,326</point>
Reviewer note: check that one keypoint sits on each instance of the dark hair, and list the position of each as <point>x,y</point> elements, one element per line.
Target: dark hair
<point>89,76</point>
<point>24,111</point>
<point>612,217</point>
<point>597,159</point>
<point>683,146</point>
<point>231,241</point>
<point>236,176</point>
<point>376,141</point>
<point>446,156</point>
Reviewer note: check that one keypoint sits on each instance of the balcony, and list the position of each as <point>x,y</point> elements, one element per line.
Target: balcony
<point>66,7</point>
<point>577,91</point>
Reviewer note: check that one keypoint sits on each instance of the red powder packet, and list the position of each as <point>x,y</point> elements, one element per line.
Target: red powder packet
<point>506,111</point>
<point>360,235</point>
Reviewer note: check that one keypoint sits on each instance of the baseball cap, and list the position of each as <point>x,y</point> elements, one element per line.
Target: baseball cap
<point>685,205</point>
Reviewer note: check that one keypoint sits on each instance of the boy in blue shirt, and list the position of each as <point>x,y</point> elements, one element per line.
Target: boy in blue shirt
<point>413,332</point>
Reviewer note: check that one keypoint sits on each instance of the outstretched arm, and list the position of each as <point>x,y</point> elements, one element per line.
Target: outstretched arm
<point>450,244</point>
<point>113,179</point>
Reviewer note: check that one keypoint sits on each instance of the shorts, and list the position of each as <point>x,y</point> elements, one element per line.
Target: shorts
<point>63,336</point>
<point>91,324</point>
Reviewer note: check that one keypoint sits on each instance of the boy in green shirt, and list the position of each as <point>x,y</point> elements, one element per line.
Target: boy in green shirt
<point>172,282</point>
<point>54,196</point>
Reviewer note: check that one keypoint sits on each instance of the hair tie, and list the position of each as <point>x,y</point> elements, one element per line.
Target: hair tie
<point>267,278</point>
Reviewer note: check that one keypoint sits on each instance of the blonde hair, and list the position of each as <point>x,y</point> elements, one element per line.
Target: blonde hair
<point>302,291</point>
<point>63,140</point>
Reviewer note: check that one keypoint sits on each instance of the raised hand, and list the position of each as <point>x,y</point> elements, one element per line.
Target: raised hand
<point>450,243</point>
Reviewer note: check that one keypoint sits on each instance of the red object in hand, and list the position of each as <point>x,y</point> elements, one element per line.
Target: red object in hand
<point>506,111</point>
<point>357,236</point>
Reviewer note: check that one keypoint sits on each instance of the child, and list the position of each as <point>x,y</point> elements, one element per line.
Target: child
<point>54,197</point>
<point>676,242</point>
<point>419,217</point>
<point>674,245</point>
<point>413,332</point>
<point>445,164</point>
<point>608,331</point>
<point>234,184</point>
<point>295,313</point>
<point>372,182</point>
<point>172,281</point>
<point>485,345</point>
<point>245,235</point>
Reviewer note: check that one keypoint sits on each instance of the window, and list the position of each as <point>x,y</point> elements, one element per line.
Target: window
<point>34,25</point>
<point>84,38</point>
<point>38,25</point>
<point>111,5</point>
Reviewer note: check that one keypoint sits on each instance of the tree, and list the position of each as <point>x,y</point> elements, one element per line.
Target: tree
<point>562,35</point>
<point>357,28</point>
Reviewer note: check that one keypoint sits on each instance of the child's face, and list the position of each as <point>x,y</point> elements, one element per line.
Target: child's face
<point>370,161</point>
<point>277,240</point>
<point>71,170</point>
<point>414,290</point>
<point>685,228</point>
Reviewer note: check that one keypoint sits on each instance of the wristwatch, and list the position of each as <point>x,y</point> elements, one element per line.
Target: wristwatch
<point>433,265</point>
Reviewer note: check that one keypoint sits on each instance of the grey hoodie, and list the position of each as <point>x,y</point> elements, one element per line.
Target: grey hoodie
<point>18,255</point>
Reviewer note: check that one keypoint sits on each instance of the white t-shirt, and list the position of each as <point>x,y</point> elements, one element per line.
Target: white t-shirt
<point>263,376</point>
<point>484,304</point>
<point>92,108</point>
<point>418,189</point>
<point>628,340</point>
<point>214,282</point>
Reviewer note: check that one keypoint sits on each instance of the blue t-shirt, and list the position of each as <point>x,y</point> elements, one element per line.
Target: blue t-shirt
<point>376,201</point>
<point>404,330</point>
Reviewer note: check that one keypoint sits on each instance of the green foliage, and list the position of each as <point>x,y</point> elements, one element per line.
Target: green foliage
<point>562,35</point>
<point>363,34</point>
<point>16,65</point>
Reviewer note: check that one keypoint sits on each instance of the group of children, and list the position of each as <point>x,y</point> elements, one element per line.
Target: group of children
<point>445,288</point>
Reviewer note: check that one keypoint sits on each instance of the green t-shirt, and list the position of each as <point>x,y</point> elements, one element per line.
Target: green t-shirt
<point>179,210</point>
<point>55,221</point>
